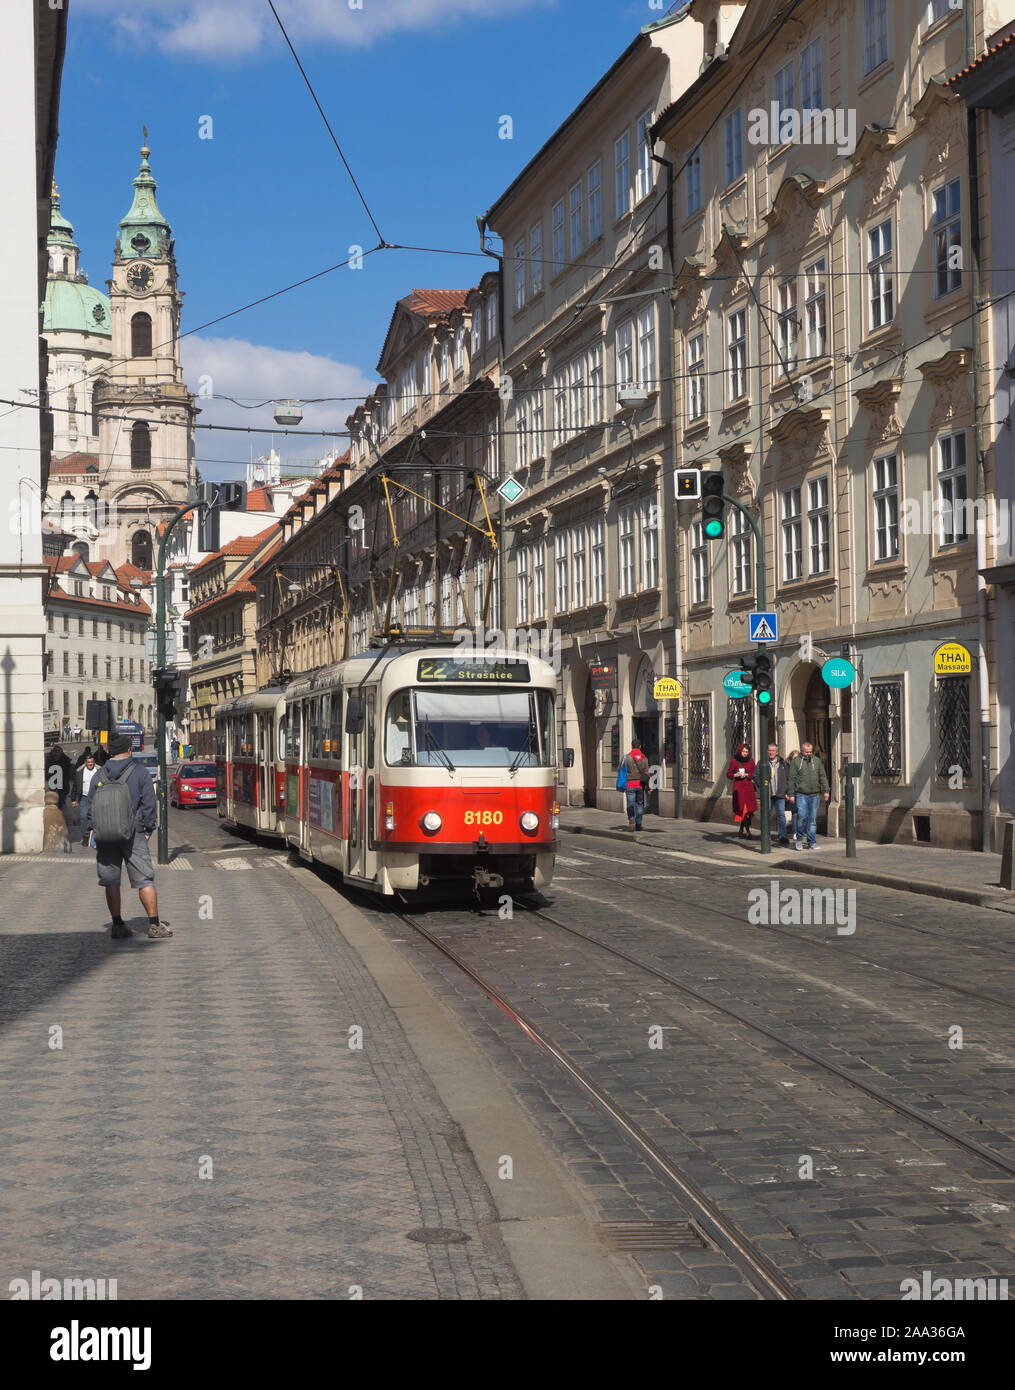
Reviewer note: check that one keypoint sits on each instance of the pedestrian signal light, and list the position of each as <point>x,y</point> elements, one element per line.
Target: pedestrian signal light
<point>713,508</point>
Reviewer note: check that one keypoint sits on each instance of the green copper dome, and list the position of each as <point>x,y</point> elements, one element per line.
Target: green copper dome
<point>71,306</point>
<point>144,231</point>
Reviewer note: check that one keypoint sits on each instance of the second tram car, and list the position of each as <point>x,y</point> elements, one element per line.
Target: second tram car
<point>249,766</point>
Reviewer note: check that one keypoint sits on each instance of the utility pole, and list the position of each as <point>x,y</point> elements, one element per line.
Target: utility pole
<point>764,711</point>
<point>160,661</point>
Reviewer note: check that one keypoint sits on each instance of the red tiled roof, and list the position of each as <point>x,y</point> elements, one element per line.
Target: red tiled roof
<point>984,57</point>
<point>242,587</point>
<point>127,572</point>
<point>434,301</point>
<point>121,605</point>
<point>73,463</point>
<point>259,499</point>
<point>242,545</point>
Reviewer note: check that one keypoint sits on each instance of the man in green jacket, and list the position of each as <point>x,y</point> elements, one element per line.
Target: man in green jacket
<point>808,781</point>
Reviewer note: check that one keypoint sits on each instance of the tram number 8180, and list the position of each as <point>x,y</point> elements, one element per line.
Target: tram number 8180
<point>484,817</point>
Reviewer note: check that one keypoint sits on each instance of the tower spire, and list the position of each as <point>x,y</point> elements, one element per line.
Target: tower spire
<point>144,231</point>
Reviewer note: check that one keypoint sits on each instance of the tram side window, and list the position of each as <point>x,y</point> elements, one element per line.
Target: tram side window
<point>248,735</point>
<point>280,752</point>
<point>335,726</point>
<point>236,724</point>
<point>371,729</point>
<point>220,738</point>
<point>314,728</point>
<point>544,701</point>
<point>292,740</point>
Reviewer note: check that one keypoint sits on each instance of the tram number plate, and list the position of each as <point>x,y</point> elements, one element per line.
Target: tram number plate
<point>498,672</point>
<point>484,817</point>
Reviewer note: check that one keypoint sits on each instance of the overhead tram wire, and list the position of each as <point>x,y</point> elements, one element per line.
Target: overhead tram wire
<point>334,139</point>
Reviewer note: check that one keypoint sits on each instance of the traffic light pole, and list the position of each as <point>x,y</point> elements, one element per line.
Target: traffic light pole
<point>765,711</point>
<point>160,662</point>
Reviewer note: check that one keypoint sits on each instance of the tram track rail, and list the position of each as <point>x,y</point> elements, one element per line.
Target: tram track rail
<point>706,1216</point>
<point>816,945</point>
<point>901,1107</point>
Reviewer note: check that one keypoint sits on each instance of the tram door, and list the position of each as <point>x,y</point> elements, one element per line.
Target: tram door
<point>263,753</point>
<point>354,764</point>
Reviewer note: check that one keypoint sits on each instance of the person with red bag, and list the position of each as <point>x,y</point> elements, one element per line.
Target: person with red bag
<point>745,802</point>
<point>637,769</point>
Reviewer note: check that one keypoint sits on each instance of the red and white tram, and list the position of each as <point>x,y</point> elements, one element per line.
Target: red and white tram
<point>249,761</point>
<point>412,766</point>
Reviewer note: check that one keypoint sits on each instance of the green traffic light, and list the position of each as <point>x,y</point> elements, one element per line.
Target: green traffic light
<point>764,697</point>
<point>713,530</point>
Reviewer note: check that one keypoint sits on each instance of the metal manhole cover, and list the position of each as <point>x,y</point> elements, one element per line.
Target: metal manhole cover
<point>652,1235</point>
<point>438,1235</point>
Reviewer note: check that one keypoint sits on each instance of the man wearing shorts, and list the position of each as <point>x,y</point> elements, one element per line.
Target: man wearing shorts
<point>133,853</point>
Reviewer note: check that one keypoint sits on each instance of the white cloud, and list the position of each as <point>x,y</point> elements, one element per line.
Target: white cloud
<point>254,372</point>
<point>239,28</point>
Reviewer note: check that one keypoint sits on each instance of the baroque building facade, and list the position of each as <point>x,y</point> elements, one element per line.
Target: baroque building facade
<point>826,335</point>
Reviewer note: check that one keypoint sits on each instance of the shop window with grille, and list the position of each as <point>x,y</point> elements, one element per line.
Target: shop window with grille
<point>739,720</point>
<point>699,740</point>
<point>954,728</point>
<point>886,729</point>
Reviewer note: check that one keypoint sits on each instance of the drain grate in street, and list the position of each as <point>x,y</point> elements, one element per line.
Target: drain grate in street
<point>438,1235</point>
<point>652,1235</point>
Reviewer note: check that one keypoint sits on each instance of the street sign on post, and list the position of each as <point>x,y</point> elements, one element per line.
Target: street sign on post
<point>762,627</point>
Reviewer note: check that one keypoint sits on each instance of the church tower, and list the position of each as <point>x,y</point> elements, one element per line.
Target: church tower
<point>146,438</point>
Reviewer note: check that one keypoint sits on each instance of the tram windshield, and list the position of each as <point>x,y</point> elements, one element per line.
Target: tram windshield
<point>470,728</point>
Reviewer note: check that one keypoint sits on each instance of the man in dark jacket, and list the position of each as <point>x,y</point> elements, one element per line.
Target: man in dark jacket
<point>779,775</point>
<point>133,853</point>
<point>59,773</point>
<point>637,780</point>
<point>808,782</point>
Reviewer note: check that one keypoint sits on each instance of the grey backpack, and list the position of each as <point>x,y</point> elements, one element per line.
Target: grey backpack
<point>113,817</point>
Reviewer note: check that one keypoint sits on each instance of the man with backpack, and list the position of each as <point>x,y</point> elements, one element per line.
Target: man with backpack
<point>637,771</point>
<point>122,815</point>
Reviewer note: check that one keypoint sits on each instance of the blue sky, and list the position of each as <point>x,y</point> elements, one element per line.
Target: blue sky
<point>414,90</point>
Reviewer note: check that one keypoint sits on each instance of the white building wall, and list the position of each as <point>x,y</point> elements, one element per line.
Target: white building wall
<point>21,569</point>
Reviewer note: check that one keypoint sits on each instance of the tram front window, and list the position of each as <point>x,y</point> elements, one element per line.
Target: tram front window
<point>469,728</point>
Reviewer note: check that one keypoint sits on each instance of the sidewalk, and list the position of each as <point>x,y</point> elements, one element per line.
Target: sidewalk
<point>197,1119</point>
<point>959,875</point>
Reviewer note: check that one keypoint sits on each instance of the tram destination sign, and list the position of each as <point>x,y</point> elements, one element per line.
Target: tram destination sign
<point>479,671</point>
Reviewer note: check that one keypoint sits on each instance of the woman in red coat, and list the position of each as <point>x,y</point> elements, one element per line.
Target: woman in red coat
<point>741,774</point>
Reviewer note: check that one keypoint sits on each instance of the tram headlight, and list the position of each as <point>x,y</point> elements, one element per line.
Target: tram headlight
<point>389,815</point>
<point>432,822</point>
<point>555,818</point>
<point>530,822</point>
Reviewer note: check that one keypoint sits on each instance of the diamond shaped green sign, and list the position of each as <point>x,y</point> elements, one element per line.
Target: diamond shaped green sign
<point>510,489</point>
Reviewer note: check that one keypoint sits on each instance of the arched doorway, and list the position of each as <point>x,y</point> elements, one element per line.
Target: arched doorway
<point>645,726</point>
<point>808,720</point>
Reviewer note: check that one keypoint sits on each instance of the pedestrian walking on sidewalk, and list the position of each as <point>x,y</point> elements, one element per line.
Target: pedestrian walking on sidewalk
<point>84,778</point>
<point>740,773</point>
<point>790,803</point>
<point>59,773</point>
<point>122,813</point>
<point>779,779</point>
<point>636,766</point>
<point>808,783</point>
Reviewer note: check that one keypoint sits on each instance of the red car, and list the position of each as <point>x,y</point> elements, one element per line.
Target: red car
<point>193,784</point>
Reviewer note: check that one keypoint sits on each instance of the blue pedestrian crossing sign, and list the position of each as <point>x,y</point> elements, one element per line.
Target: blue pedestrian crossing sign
<point>762,627</point>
